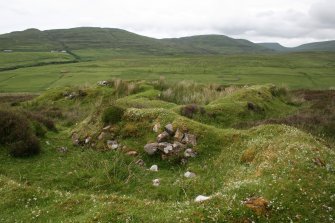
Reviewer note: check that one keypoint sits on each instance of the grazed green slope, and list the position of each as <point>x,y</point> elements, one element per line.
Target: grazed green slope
<point>219,44</point>
<point>102,38</point>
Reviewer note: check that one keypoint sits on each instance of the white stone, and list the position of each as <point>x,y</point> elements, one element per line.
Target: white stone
<point>201,198</point>
<point>156,182</point>
<point>87,140</point>
<point>112,144</point>
<point>156,127</point>
<point>189,153</point>
<point>154,168</point>
<point>168,149</point>
<point>189,174</point>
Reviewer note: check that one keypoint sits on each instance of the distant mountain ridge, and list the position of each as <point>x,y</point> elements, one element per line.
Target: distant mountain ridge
<point>274,46</point>
<point>313,47</point>
<point>110,38</point>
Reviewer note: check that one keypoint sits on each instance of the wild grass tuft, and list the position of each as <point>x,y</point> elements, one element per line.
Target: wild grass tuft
<point>189,92</point>
<point>123,88</point>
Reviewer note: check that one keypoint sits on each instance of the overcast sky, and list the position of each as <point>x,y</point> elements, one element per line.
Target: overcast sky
<point>289,22</point>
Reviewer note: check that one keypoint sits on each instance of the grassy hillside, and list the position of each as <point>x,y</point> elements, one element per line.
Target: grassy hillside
<point>121,40</point>
<point>219,44</point>
<point>326,46</point>
<point>318,46</point>
<point>29,40</point>
<point>268,173</point>
<point>125,43</point>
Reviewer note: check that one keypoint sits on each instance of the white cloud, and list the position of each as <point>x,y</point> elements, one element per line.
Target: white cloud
<point>286,21</point>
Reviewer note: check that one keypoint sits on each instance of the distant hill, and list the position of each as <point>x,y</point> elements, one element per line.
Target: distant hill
<point>218,44</point>
<point>102,38</point>
<point>121,40</point>
<point>313,47</point>
<point>317,46</point>
<point>81,38</point>
<point>273,46</point>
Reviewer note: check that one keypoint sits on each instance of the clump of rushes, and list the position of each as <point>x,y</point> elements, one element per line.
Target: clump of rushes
<point>123,88</point>
<point>189,92</point>
<point>112,115</point>
<point>17,135</point>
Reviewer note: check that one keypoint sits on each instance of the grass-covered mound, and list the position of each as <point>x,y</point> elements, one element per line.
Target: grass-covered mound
<point>268,173</point>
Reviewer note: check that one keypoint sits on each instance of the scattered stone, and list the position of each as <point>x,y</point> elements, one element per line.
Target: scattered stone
<point>154,168</point>
<point>189,174</point>
<point>189,153</point>
<point>75,139</point>
<point>140,162</point>
<point>103,83</point>
<point>102,136</point>
<point>168,149</point>
<point>189,139</point>
<point>162,145</point>
<point>106,128</point>
<point>169,129</point>
<point>156,127</point>
<point>178,146</point>
<point>47,142</point>
<point>178,136</point>
<point>258,204</point>
<point>72,95</point>
<point>201,198</point>
<point>151,148</point>
<point>156,182</point>
<point>164,136</point>
<point>132,153</point>
<point>112,144</point>
<point>87,140</point>
<point>62,149</point>
<point>319,162</point>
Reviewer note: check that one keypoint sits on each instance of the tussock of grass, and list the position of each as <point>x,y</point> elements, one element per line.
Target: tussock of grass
<point>188,92</point>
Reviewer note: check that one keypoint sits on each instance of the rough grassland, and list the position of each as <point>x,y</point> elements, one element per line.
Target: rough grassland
<point>292,170</point>
<point>296,70</point>
<point>21,59</point>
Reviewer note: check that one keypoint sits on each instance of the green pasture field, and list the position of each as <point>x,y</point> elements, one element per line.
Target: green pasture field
<point>295,70</point>
<point>13,59</point>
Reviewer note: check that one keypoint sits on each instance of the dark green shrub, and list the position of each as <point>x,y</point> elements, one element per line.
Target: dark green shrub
<point>47,122</point>
<point>17,134</point>
<point>27,147</point>
<point>191,110</point>
<point>112,115</point>
<point>39,129</point>
<point>279,91</point>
